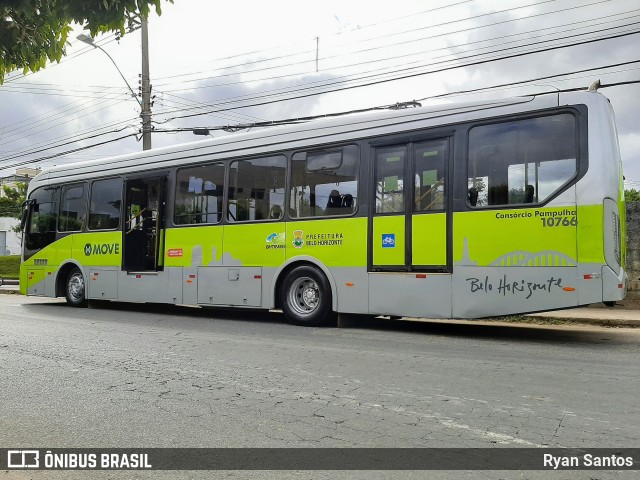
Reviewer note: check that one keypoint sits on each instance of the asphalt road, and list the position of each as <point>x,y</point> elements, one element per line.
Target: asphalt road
<point>144,376</point>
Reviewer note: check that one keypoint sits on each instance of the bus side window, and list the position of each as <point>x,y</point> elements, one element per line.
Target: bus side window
<point>521,162</point>
<point>198,197</point>
<point>256,189</point>
<point>73,209</point>
<point>105,204</point>
<point>321,181</point>
<point>42,219</point>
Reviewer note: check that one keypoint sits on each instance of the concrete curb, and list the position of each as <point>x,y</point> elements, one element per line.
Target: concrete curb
<point>9,291</point>
<point>607,322</point>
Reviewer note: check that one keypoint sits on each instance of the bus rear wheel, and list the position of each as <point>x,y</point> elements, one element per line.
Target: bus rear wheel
<point>76,289</point>
<point>306,297</point>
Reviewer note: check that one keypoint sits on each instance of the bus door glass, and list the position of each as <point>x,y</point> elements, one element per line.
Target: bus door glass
<point>143,230</point>
<point>410,219</point>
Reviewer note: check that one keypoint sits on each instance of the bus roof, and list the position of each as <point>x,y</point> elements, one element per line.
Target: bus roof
<point>314,132</point>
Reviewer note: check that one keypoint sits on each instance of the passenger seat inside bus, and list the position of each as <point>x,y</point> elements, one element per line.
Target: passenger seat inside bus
<point>473,196</point>
<point>275,213</point>
<point>334,202</point>
<point>347,203</point>
<point>528,194</point>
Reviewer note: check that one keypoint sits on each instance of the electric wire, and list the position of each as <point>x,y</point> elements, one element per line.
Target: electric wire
<point>444,34</point>
<point>371,82</point>
<point>203,106</point>
<point>287,121</point>
<point>368,74</point>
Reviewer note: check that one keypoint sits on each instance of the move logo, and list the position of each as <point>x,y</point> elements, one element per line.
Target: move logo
<point>102,249</point>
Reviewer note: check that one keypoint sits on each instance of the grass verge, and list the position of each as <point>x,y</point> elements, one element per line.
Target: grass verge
<point>10,266</point>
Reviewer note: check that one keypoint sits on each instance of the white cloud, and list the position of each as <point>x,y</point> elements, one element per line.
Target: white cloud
<point>198,42</point>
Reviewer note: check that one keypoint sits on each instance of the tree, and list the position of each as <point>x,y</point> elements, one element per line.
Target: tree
<point>11,202</point>
<point>632,195</point>
<point>34,31</point>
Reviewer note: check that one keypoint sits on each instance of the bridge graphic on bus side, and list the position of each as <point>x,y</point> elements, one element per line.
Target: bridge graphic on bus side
<point>544,258</point>
<point>521,258</point>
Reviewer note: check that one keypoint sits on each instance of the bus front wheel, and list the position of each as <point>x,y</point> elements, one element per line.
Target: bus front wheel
<point>306,297</point>
<point>76,289</point>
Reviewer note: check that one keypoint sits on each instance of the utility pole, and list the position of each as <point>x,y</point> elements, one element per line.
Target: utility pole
<point>146,88</point>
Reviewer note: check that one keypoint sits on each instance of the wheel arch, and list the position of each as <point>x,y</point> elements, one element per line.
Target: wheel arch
<point>63,273</point>
<point>289,265</point>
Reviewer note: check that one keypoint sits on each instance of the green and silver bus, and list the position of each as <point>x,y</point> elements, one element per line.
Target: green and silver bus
<point>454,211</point>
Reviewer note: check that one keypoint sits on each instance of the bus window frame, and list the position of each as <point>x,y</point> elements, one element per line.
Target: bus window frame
<point>28,252</point>
<point>579,113</point>
<point>119,227</point>
<point>226,203</point>
<point>360,177</point>
<point>85,191</point>
<point>170,215</point>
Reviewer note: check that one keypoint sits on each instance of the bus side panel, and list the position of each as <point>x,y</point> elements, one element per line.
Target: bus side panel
<point>254,245</point>
<point>98,249</point>
<point>39,269</point>
<point>102,284</point>
<point>100,255</point>
<point>410,294</point>
<point>35,281</point>
<point>232,286</point>
<point>339,245</point>
<point>590,253</point>
<point>429,239</point>
<point>488,291</point>
<point>144,287</point>
<point>187,249</point>
<point>515,260</point>
<point>248,248</point>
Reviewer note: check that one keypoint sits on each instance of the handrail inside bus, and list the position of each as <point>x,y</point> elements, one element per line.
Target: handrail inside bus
<point>128,222</point>
<point>428,192</point>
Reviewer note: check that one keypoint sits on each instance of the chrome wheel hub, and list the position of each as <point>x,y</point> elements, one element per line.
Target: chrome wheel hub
<point>304,296</point>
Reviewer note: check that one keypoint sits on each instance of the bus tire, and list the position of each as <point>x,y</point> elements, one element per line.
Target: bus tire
<point>75,289</point>
<point>305,297</point>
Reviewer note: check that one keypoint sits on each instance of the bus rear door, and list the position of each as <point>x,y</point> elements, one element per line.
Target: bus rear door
<point>409,225</point>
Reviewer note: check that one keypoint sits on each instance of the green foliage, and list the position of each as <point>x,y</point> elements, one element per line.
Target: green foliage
<point>8,208</point>
<point>34,31</point>
<point>10,266</point>
<point>17,194</point>
<point>632,195</point>
<point>11,203</point>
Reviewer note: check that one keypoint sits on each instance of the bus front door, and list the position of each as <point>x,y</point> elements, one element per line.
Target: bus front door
<point>143,232</point>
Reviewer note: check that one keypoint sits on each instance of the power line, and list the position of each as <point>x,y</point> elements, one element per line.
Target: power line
<point>358,29</point>
<point>321,84</point>
<point>483,26</point>
<point>50,146</point>
<point>282,122</point>
<point>521,82</point>
<point>392,74</point>
<point>395,57</point>
<point>563,10</point>
<point>61,154</point>
<point>400,77</point>
<point>57,146</point>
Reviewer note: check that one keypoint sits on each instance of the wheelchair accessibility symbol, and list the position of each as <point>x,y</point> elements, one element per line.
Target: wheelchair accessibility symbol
<point>388,240</point>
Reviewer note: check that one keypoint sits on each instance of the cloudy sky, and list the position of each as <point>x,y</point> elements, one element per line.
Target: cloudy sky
<point>219,64</point>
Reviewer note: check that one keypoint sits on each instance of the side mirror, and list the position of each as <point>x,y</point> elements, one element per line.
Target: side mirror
<point>25,213</point>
